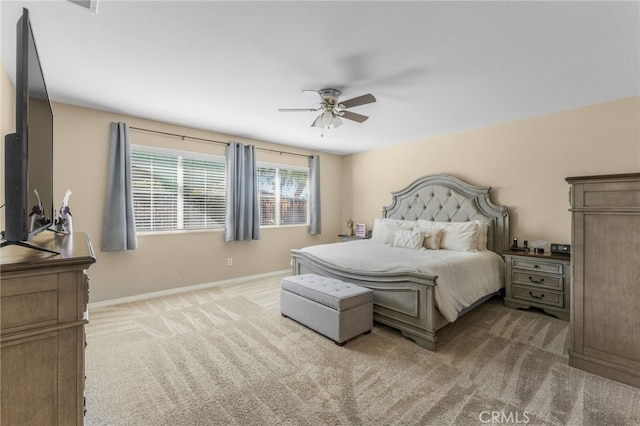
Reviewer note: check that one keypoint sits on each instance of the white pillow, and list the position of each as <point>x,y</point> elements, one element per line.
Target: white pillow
<point>379,231</point>
<point>408,238</point>
<point>384,229</point>
<point>483,229</point>
<point>460,236</point>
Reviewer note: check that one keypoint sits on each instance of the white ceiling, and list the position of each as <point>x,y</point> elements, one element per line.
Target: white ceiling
<point>434,67</point>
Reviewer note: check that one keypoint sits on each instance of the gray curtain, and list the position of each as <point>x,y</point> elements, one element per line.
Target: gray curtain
<point>314,195</point>
<point>119,229</point>
<point>242,216</point>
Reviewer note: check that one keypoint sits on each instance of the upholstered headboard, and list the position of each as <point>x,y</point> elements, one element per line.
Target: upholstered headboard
<point>445,198</point>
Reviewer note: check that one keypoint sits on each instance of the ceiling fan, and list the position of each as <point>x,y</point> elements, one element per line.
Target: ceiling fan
<point>332,108</point>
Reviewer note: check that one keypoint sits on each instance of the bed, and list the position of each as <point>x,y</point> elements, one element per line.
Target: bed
<point>404,298</point>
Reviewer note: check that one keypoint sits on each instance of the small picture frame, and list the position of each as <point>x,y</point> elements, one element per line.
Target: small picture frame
<point>360,230</point>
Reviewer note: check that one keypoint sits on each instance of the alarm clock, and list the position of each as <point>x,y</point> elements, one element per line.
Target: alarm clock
<point>560,248</point>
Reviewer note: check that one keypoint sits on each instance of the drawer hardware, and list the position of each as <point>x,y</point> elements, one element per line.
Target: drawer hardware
<point>536,266</point>
<point>540,281</point>
<point>537,297</point>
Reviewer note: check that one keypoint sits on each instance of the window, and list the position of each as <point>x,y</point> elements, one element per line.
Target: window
<point>283,195</point>
<point>174,190</point>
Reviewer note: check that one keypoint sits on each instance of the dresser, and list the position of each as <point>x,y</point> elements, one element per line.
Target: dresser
<point>347,237</point>
<point>43,300</point>
<point>538,280</point>
<point>605,304</point>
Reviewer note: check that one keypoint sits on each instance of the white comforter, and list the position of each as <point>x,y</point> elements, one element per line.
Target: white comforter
<point>463,277</point>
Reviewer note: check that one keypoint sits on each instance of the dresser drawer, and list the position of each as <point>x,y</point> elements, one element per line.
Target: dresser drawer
<point>555,282</point>
<point>536,265</point>
<point>544,297</point>
<point>28,302</point>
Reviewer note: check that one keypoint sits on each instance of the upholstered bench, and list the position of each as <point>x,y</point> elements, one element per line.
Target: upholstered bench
<point>334,308</point>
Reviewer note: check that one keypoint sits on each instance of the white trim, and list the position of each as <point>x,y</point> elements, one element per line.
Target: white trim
<point>192,155</point>
<point>270,165</point>
<point>178,290</point>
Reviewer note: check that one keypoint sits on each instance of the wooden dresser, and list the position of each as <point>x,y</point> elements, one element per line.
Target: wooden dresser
<point>42,317</point>
<point>605,298</point>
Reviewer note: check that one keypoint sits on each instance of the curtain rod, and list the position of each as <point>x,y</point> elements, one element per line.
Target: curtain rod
<point>183,137</point>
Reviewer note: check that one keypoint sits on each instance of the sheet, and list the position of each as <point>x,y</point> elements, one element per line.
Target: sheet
<point>463,277</point>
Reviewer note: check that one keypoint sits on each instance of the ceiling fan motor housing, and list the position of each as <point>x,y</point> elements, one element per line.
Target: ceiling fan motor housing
<point>330,96</point>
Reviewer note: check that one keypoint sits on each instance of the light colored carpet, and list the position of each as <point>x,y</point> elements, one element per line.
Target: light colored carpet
<point>225,356</point>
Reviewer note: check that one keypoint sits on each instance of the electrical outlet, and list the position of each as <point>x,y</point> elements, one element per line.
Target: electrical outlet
<point>230,261</point>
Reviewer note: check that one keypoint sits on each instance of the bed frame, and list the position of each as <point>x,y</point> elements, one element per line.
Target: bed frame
<point>406,301</point>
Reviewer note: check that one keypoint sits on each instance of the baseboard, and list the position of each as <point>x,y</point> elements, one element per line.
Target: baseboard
<point>179,290</point>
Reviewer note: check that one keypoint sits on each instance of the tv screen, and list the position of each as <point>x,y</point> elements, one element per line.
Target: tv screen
<point>29,152</point>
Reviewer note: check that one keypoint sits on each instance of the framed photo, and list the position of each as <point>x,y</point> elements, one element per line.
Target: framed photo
<point>360,230</point>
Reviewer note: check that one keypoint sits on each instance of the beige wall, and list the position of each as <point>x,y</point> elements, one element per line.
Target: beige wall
<point>525,162</point>
<point>165,261</point>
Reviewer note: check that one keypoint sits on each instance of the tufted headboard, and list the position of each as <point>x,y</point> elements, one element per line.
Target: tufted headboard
<point>445,198</point>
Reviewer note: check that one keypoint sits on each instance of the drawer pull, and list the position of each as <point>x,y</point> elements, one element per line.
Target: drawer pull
<point>536,281</point>
<point>537,297</point>
<point>536,266</point>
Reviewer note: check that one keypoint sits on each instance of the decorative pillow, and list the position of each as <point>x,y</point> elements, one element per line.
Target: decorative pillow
<point>408,238</point>
<point>460,236</point>
<point>432,239</point>
<point>433,233</point>
<point>483,229</point>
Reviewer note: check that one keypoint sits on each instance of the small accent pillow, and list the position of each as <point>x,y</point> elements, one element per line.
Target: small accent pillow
<point>408,238</point>
<point>432,239</point>
<point>432,234</point>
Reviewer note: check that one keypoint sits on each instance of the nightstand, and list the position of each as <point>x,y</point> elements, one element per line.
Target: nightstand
<point>345,237</point>
<point>540,280</point>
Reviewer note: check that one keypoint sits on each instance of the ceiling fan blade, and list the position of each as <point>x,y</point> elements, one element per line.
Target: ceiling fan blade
<point>353,116</point>
<point>297,109</point>
<point>360,100</point>
<point>317,122</point>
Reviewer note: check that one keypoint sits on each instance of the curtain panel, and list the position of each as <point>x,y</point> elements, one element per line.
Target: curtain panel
<point>119,228</point>
<point>315,225</point>
<point>242,217</point>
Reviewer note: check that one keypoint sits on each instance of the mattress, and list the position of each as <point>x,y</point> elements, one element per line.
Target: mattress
<point>463,277</point>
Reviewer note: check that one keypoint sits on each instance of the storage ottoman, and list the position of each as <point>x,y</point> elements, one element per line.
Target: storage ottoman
<point>334,308</point>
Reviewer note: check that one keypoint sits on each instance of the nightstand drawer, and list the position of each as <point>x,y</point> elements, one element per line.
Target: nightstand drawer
<point>537,296</point>
<point>548,281</point>
<point>536,265</point>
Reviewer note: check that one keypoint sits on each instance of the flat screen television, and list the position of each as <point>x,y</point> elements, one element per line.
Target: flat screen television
<point>29,152</point>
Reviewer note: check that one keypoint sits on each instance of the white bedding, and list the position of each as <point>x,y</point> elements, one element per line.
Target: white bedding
<point>463,277</point>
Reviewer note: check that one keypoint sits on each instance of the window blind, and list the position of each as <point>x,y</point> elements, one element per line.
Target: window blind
<point>175,190</point>
<point>283,195</point>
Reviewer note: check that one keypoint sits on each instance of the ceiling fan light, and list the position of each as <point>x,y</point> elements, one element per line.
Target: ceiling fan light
<point>327,119</point>
<point>336,122</point>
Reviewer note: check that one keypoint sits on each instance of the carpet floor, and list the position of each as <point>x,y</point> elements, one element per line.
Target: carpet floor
<point>225,356</point>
